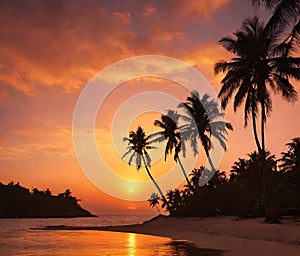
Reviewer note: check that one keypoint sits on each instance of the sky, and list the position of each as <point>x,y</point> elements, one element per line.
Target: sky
<point>49,52</point>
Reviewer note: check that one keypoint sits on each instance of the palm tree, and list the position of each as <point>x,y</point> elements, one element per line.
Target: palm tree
<point>284,12</point>
<point>154,201</point>
<point>171,133</point>
<point>258,65</point>
<point>195,176</point>
<point>138,144</point>
<point>203,121</point>
<point>291,159</point>
<point>290,171</point>
<point>239,167</point>
<point>285,15</point>
<point>175,199</point>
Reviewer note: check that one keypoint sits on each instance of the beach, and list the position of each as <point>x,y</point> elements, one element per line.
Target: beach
<point>232,235</point>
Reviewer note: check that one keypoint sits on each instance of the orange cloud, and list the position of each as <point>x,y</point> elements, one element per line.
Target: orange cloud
<point>44,138</point>
<point>59,47</point>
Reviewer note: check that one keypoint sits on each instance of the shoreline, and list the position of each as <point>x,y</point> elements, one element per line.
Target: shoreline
<point>230,234</point>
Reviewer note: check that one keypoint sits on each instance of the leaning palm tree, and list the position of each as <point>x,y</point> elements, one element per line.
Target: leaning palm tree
<point>203,118</point>
<point>138,144</point>
<point>257,65</point>
<point>171,133</point>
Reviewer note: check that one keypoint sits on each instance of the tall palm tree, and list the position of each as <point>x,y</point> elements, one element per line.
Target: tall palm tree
<point>203,118</point>
<point>138,144</point>
<point>257,65</point>
<point>171,133</point>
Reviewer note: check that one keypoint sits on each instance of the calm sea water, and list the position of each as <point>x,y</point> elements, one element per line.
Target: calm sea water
<point>17,238</point>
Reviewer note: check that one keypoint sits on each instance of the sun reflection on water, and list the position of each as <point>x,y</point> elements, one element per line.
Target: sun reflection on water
<point>131,244</point>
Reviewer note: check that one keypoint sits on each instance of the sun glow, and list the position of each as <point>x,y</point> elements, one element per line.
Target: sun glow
<point>131,244</point>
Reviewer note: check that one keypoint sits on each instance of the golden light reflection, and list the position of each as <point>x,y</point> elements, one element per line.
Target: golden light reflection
<point>131,244</point>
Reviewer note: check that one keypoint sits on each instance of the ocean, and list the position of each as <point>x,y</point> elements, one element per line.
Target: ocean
<point>18,238</point>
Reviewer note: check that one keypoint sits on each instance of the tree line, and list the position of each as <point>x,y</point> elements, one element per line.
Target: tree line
<point>19,202</point>
<point>240,193</point>
<point>263,61</point>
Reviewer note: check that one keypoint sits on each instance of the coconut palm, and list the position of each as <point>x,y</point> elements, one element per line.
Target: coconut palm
<point>195,176</point>
<point>290,171</point>
<point>291,159</point>
<point>154,201</point>
<point>138,144</point>
<point>285,15</point>
<point>258,64</point>
<point>203,118</point>
<point>284,12</point>
<point>171,133</point>
<point>175,199</point>
<point>239,167</point>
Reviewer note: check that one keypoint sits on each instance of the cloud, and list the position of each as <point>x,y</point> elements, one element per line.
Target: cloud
<point>58,45</point>
<point>42,138</point>
<point>9,152</point>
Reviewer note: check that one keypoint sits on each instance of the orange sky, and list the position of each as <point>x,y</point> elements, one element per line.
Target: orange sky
<point>49,51</point>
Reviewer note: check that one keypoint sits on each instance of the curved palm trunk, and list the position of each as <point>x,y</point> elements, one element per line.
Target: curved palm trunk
<point>184,173</point>
<point>156,185</point>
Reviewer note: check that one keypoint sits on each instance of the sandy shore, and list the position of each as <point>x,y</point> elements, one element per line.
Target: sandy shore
<point>236,237</point>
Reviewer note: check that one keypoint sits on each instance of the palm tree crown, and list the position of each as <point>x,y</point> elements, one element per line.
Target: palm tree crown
<point>258,64</point>
<point>291,159</point>
<point>171,133</point>
<point>203,117</point>
<point>138,144</point>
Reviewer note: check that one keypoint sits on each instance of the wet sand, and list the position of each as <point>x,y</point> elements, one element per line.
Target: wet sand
<point>236,237</point>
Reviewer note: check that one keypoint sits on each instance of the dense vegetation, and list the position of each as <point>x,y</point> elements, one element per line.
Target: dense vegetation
<point>241,193</point>
<point>262,62</point>
<point>19,202</point>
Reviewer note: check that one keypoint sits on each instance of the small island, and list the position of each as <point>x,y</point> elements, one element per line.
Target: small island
<point>19,202</point>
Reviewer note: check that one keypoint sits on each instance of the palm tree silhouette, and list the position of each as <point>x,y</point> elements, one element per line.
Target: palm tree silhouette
<point>291,159</point>
<point>154,201</point>
<point>195,176</point>
<point>256,168</point>
<point>290,168</point>
<point>175,199</point>
<point>284,13</point>
<point>259,64</point>
<point>138,144</point>
<point>171,133</point>
<point>203,121</point>
<point>239,167</point>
